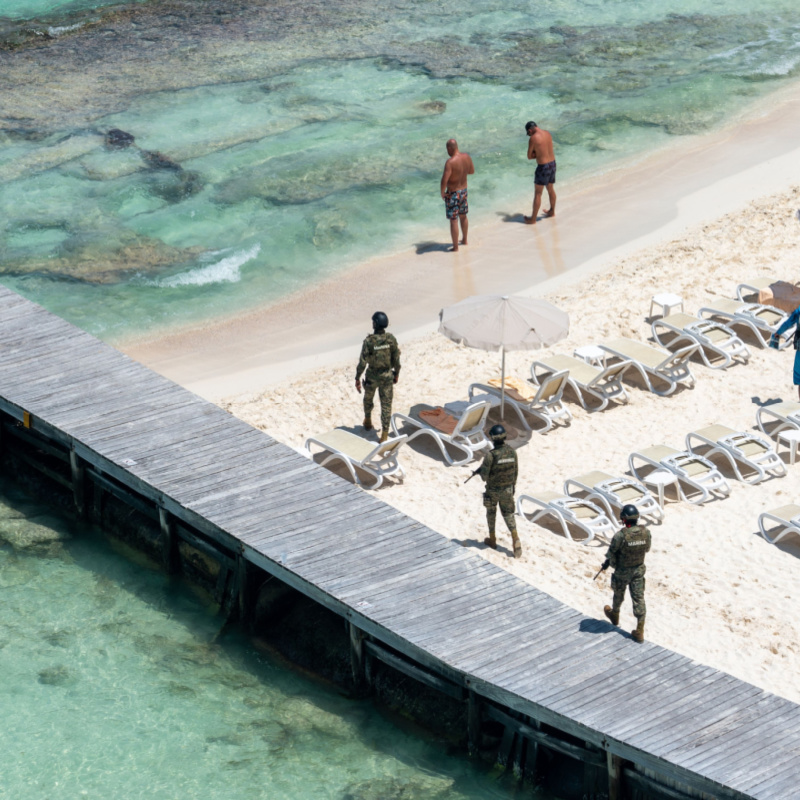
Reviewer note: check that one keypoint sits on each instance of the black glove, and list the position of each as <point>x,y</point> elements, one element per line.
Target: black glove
<point>606,565</point>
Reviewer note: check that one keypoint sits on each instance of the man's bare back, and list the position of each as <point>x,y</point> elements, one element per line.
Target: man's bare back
<point>453,189</point>
<point>540,147</point>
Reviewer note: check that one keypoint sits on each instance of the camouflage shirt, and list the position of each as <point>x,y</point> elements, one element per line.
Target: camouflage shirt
<point>379,355</point>
<point>499,468</point>
<point>628,547</point>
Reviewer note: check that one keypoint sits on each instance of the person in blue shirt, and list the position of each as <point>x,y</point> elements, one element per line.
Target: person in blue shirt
<point>792,321</point>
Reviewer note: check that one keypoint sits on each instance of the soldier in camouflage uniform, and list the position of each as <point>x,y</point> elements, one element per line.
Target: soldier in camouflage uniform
<point>380,356</point>
<point>499,471</point>
<point>626,555</point>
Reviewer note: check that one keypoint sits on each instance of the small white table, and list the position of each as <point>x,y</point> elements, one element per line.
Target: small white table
<point>659,479</point>
<point>591,354</point>
<point>667,301</point>
<point>791,438</point>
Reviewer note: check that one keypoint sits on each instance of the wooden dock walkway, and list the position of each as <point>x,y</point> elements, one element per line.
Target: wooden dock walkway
<point>454,614</point>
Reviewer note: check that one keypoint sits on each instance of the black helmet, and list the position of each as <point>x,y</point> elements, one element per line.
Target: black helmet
<point>629,513</point>
<point>380,320</point>
<point>497,433</point>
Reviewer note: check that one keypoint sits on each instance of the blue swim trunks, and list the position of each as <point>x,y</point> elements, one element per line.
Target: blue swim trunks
<point>545,173</point>
<point>797,368</point>
<point>455,204</point>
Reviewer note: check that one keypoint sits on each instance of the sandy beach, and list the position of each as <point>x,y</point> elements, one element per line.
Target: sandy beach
<point>724,212</point>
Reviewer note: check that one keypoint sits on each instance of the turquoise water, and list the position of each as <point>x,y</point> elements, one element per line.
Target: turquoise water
<point>115,685</point>
<point>299,142</point>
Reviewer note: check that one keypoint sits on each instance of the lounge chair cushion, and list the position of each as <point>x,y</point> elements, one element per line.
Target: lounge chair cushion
<point>438,418</point>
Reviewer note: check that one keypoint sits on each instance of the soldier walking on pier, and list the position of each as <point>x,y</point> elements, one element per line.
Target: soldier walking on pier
<point>499,471</point>
<point>380,355</point>
<point>626,555</point>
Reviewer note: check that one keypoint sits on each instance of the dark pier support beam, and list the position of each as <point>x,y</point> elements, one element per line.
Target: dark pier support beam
<point>78,483</point>
<point>358,658</point>
<point>473,723</point>
<point>614,776</point>
<point>169,551</point>
<point>246,599</point>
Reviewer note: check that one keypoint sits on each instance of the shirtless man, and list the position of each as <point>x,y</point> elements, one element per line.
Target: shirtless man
<point>540,147</point>
<point>454,191</point>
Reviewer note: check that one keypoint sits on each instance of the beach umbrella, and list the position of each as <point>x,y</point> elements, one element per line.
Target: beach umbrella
<point>498,322</point>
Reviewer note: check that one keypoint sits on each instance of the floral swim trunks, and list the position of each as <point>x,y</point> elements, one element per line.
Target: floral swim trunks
<point>455,204</point>
<point>545,173</point>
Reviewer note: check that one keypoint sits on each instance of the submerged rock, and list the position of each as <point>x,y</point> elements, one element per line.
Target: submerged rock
<point>22,534</point>
<point>431,788</point>
<point>58,675</point>
<point>156,160</point>
<point>117,138</point>
<point>433,106</point>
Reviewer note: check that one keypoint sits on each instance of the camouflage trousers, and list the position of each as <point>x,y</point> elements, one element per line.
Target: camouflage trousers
<point>631,578</point>
<point>385,388</point>
<point>505,499</point>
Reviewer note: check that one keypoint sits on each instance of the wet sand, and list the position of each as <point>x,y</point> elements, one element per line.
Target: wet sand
<point>599,220</point>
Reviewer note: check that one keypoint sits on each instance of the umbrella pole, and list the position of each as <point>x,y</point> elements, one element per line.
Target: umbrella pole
<point>503,385</point>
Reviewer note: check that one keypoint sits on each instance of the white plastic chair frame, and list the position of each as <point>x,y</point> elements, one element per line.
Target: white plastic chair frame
<point>603,384</point>
<point>583,514</point>
<point>710,335</point>
<point>753,287</point>
<point>655,362</point>
<point>468,436</point>
<point>762,321</point>
<point>615,492</point>
<point>547,404</point>
<point>689,468</point>
<point>739,447</point>
<point>786,415</point>
<point>787,517</point>
<point>377,460</point>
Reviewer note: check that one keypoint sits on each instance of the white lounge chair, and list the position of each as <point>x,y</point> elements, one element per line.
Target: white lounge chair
<point>544,402</point>
<point>689,469</point>
<point>585,379</point>
<point>739,448</point>
<point>377,460</point>
<point>753,287</point>
<point>569,511</point>
<point>467,436</point>
<point>786,415</point>
<point>713,337</point>
<point>655,364</point>
<point>786,517</point>
<point>761,321</point>
<point>613,493</point>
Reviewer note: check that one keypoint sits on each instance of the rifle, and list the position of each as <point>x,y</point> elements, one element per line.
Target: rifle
<point>473,475</point>
<point>602,569</point>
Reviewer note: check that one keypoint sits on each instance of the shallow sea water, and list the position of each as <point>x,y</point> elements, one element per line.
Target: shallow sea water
<point>295,139</point>
<point>115,685</point>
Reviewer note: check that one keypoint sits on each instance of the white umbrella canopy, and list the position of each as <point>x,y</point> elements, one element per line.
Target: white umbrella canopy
<point>502,322</point>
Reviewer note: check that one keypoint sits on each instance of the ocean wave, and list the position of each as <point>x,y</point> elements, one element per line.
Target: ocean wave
<point>58,30</point>
<point>226,270</point>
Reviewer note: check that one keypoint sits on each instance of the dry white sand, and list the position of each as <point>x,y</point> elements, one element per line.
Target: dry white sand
<point>716,591</point>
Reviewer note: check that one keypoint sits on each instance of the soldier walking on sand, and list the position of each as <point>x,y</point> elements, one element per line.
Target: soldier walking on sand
<point>540,147</point>
<point>380,356</point>
<point>453,189</point>
<point>499,471</point>
<point>626,555</point>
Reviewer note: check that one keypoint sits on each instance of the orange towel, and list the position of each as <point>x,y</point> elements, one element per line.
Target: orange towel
<point>516,389</point>
<point>782,295</point>
<point>438,418</point>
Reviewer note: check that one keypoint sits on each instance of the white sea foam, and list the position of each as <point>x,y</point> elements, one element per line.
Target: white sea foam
<point>226,270</point>
<point>57,31</point>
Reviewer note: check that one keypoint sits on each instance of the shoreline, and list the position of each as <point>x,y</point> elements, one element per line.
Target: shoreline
<point>327,321</point>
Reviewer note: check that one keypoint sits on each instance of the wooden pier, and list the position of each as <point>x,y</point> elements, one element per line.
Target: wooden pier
<point>661,724</point>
